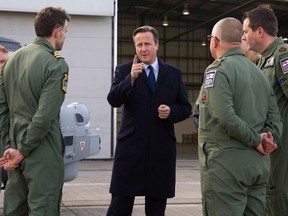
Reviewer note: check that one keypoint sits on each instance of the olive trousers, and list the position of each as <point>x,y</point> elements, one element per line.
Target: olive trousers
<point>233,180</point>
<point>35,187</point>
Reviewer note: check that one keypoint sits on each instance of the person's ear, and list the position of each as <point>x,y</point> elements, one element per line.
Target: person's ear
<point>56,32</point>
<point>260,32</point>
<point>214,41</point>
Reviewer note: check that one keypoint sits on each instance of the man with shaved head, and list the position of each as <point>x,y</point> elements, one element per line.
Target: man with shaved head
<point>239,126</point>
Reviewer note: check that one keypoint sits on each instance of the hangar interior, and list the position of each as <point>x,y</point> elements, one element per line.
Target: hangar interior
<point>183,26</point>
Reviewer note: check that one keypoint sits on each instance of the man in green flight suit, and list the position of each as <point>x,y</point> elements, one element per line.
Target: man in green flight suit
<point>4,54</point>
<point>260,27</point>
<point>239,122</point>
<point>35,83</point>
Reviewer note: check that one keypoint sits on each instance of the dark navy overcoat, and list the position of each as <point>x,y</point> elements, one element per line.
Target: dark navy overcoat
<point>145,157</point>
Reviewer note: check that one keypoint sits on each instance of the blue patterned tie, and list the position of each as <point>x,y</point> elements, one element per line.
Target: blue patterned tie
<point>151,78</point>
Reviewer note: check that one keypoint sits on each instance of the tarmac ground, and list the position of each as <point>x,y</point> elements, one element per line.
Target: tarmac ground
<point>88,194</point>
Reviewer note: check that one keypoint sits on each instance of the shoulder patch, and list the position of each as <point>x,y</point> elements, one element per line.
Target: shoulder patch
<point>56,55</point>
<point>284,65</point>
<point>216,63</point>
<point>64,83</point>
<point>209,78</point>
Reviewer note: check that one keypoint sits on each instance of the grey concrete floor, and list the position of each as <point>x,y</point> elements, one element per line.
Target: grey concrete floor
<point>88,194</point>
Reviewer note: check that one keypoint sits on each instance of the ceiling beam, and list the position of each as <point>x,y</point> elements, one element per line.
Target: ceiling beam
<point>211,20</point>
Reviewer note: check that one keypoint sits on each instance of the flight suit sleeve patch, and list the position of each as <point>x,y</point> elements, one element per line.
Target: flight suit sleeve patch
<point>209,79</point>
<point>64,83</point>
<point>284,65</point>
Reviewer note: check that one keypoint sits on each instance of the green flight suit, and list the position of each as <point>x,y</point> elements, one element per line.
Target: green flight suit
<point>274,63</point>
<point>35,83</point>
<point>236,105</point>
<point>4,130</point>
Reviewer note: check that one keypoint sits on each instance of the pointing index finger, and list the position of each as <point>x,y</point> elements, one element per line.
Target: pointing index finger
<point>135,59</point>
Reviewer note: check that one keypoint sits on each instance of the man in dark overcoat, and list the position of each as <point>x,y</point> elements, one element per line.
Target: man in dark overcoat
<point>145,157</point>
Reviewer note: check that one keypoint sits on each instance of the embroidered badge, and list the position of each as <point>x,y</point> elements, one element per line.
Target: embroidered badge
<point>209,79</point>
<point>284,65</point>
<point>281,80</point>
<point>82,145</point>
<point>269,62</point>
<point>204,97</point>
<point>65,82</point>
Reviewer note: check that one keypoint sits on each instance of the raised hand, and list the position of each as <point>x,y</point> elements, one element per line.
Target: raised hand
<point>136,69</point>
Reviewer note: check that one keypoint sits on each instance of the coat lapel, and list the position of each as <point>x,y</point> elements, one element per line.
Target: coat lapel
<point>161,73</point>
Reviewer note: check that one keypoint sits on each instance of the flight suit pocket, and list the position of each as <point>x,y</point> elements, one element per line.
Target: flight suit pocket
<point>206,154</point>
<point>211,151</point>
<point>204,209</point>
<point>276,202</point>
<point>203,156</point>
